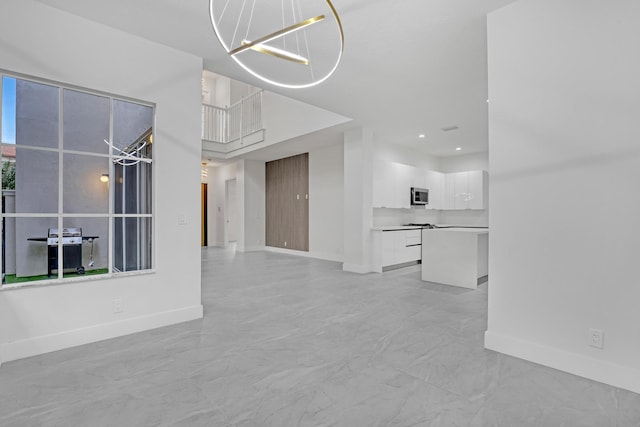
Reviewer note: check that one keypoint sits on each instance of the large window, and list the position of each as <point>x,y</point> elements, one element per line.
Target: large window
<point>76,182</point>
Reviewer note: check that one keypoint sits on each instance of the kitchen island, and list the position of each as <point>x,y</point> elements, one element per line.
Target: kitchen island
<point>455,256</point>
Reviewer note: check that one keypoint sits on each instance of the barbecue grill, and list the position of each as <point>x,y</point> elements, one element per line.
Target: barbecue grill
<point>71,242</point>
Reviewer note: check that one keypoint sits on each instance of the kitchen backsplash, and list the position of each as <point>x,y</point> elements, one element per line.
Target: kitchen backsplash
<point>383,217</point>
<point>479,218</point>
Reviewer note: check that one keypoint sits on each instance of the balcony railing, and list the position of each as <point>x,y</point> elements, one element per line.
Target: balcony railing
<point>225,125</point>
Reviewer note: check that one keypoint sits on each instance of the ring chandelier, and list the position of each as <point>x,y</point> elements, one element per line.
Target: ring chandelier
<point>287,43</point>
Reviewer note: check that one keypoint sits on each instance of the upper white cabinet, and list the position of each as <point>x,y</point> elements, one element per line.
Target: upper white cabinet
<point>434,182</point>
<point>383,177</point>
<point>465,190</point>
<point>402,185</point>
<point>392,184</point>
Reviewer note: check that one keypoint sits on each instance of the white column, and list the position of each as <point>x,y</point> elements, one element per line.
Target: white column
<point>358,211</point>
<point>251,205</point>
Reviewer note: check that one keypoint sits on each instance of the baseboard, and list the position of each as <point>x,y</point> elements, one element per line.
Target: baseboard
<point>573,363</point>
<point>59,341</point>
<point>250,248</point>
<point>399,266</point>
<point>357,268</point>
<point>315,255</point>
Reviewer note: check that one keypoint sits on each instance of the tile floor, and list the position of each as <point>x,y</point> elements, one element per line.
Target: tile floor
<point>291,341</point>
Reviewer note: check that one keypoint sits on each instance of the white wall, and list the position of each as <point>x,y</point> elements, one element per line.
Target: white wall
<point>465,162</point>
<point>565,166</point>
<point>358,192</point>
<point>231,215</point>
<point>239,90</point>
<point>251,205</point>
<point>326,202</point>
<point>405,155</point>
<point>216,179</point>
<point>284,119</point>
<point>44,42</point>
<point>223,92</point>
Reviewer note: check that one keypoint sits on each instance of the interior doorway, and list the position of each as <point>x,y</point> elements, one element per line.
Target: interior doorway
<point>203,215</point>
<point>231,211</point>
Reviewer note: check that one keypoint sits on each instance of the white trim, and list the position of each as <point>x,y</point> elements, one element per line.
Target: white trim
<point>326,256</point>
<point>249,248</point>
<point>315,255</point>
<point>357,268</point>
<point>573,363</point>
<point>47,343</point>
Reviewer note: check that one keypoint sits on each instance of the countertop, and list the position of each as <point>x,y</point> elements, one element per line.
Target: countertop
<point>396,227</point>
<point>442,227</point>
<point>460,229</point>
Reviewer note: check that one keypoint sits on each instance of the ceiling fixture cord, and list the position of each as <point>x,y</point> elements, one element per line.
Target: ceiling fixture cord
<point>313,34</point>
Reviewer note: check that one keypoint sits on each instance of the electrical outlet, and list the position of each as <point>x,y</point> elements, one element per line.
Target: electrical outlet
<point>118,306</point>
<point>596,338</point>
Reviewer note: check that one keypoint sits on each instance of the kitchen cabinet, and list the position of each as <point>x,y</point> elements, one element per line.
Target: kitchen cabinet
<point>392,184</point>
<point>434,182</point>
<point>465,190</point>
<point>478,189</point>
<point>401,246</point>
<point>402,185</point>
<point>383,195</point>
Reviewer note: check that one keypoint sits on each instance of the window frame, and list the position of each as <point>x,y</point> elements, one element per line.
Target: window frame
<point>110,216</point>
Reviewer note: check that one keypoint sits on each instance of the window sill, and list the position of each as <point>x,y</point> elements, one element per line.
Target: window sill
<point>74,280</point>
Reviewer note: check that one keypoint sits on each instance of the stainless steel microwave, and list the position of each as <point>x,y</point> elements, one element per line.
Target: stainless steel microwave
<point>419,196</point>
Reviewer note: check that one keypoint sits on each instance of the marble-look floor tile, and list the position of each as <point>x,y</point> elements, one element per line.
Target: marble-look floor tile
<point>289,341</point>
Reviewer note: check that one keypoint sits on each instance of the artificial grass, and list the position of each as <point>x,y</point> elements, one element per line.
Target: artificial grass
<point>10,279</point>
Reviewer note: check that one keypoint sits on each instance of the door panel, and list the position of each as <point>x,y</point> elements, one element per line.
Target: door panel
<point>287,204</point>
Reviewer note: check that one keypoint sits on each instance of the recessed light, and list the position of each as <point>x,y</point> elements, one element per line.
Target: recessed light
<point>458,149</point>
<point>422,135</point>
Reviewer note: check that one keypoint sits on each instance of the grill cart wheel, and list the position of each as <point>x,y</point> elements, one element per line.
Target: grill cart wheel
<point>80,270</point>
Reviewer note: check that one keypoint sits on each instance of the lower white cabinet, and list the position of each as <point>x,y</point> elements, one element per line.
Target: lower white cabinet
<point>395,246</point>
<point>401,246</point>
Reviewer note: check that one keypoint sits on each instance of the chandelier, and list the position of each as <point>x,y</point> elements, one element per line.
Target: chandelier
<point>288,43</point>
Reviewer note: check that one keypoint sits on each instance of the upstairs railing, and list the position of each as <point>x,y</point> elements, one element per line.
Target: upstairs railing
<point>235,122</point>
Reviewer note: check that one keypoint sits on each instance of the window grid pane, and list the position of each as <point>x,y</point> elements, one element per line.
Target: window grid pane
<point>34,164</point>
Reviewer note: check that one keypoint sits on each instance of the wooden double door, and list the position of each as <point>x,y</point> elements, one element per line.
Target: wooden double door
<point>287,203</point>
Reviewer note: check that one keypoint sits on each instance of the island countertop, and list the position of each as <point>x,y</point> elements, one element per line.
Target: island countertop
<point>477,230</point>
<point>396,227</point>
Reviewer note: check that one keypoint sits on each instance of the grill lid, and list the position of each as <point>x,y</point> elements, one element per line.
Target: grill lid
<point>66,232</point>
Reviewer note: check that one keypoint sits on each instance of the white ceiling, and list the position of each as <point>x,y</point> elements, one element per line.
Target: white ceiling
<point>410,67</point>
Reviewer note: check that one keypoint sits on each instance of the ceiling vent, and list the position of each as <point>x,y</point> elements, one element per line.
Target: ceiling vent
<point>449,128</point>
